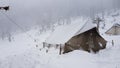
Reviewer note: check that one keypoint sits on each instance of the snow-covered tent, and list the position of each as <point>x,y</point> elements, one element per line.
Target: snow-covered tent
<point>114,30</point>
<point>78,35</point>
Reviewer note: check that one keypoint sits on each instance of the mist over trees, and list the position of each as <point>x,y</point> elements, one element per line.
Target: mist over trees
<point>28,13</point>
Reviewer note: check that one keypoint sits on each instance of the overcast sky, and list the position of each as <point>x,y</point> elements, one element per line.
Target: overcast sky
<point>31,12</point>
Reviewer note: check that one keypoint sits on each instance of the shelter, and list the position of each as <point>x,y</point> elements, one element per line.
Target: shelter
<point>81,35</point>
<point>114,30</point>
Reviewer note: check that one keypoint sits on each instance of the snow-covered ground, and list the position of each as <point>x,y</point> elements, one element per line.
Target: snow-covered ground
<point>27,52</point>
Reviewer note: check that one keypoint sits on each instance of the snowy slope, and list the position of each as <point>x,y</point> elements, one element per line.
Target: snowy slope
<point>26,52</point>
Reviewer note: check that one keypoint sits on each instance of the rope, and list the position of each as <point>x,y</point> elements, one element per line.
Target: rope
<point>13,22</point>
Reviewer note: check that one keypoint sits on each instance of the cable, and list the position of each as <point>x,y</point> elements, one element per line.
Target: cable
<point>13,22</point>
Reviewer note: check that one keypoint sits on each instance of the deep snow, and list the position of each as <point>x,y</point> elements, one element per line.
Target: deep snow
<point>25,52</point>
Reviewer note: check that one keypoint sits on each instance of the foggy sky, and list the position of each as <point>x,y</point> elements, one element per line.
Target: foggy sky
<point>27,13</point>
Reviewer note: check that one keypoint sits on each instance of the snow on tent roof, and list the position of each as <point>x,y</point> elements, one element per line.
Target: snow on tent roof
<point>116,24</point>
<point>63,33</point>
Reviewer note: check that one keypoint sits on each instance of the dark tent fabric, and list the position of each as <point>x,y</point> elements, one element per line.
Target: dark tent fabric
<point>87,41</point>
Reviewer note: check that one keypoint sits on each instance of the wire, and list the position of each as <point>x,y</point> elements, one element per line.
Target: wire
<point>13,22</point>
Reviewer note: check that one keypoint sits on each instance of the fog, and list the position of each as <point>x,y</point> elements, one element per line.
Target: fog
<point>27,13</point>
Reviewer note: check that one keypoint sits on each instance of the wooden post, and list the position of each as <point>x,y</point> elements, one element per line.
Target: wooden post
<point>46,50</point>
<point>60,52</point>
<point>112,43</point>
<point>44,44</point>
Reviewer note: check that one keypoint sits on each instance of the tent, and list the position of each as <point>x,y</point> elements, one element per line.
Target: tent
<point>78,35</point>
<point>114,30</point>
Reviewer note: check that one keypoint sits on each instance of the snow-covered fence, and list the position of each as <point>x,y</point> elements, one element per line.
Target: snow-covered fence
<point>56,46</point>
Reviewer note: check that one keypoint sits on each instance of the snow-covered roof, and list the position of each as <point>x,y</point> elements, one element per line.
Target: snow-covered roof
<point>63,33</point>
<point>117,25</point>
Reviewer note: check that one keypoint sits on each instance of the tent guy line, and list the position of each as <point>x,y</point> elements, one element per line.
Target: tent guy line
<point>13,22</point>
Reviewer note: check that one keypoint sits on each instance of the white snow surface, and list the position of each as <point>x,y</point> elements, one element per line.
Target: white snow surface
<point>63,33</point>
<point>22,52</point>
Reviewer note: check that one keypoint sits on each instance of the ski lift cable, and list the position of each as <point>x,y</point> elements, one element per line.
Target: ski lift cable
<point>13,22</point>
